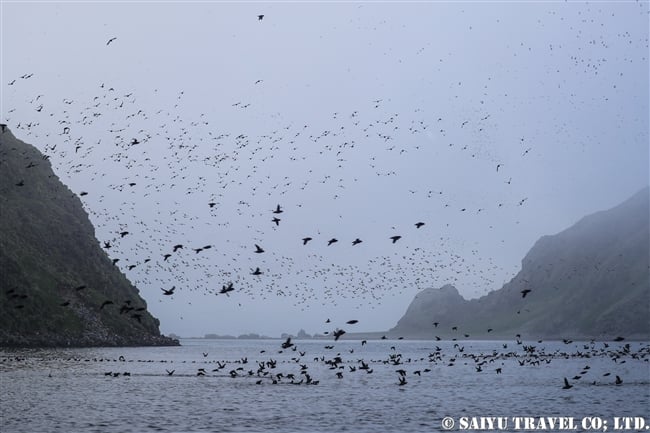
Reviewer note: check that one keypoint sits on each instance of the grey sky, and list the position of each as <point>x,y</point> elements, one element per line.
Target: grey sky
<point>360,119</point>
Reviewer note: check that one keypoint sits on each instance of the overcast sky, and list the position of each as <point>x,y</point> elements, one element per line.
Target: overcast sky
<point>494,123</point>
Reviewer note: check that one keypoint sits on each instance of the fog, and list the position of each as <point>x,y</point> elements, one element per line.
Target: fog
<point>494,123</point>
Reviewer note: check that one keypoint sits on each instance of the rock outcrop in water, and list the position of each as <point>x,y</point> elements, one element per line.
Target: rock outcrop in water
<point>57,286</point>
<point>589,281</point>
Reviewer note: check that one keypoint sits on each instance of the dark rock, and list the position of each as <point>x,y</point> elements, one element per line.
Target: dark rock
<point>48,249</point>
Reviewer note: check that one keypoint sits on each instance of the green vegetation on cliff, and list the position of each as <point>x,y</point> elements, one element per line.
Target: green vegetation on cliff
<point>57,286</point>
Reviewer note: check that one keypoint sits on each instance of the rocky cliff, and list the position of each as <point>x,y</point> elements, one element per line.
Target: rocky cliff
<point>589,281</point>
<point>57,286</point>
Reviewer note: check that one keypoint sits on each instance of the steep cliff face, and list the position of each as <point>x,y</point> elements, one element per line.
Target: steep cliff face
<point>57,286</point>
<point>591,280</point>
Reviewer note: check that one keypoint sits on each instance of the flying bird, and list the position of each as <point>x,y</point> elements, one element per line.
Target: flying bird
<point>331,241</point>
<point>111,40</point>
<point>287,344</point>
<point>305,240</point>
<point>258,249</point>
<point>169,292</point>
<point>356,241</point>
<point>257,271</point>
<point>395,238</point>
<point>226,289</point>
<point>260,17</point>
<point>418,225</point>
<point>525,292</point>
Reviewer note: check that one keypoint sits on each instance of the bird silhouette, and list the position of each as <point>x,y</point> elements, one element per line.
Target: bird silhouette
<point>305,240</point>
<point>338,333</point>
<point>260,17</point>
<point>566,384</point>
<point>257,271</point>
<point>169,292</point>
<point>418,225</point>
<point>331,241</point>
<point>287,344</point>
<point>226,289</point>
<point>395,238</point>
<point>258,249</point>
<point>111,40</point>
<point>356,241</point>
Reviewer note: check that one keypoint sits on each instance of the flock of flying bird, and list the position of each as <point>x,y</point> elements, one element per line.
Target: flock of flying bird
<point>196,179</point>
<point>291,365</point>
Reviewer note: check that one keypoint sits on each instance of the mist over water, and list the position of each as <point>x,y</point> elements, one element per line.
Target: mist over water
<point>80,397</point>
<point>219,145</point>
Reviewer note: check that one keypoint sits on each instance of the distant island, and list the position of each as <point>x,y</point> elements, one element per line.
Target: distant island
<point>58,287</point>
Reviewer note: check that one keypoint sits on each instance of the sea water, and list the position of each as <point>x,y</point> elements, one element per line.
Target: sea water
<point>219,386</point>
